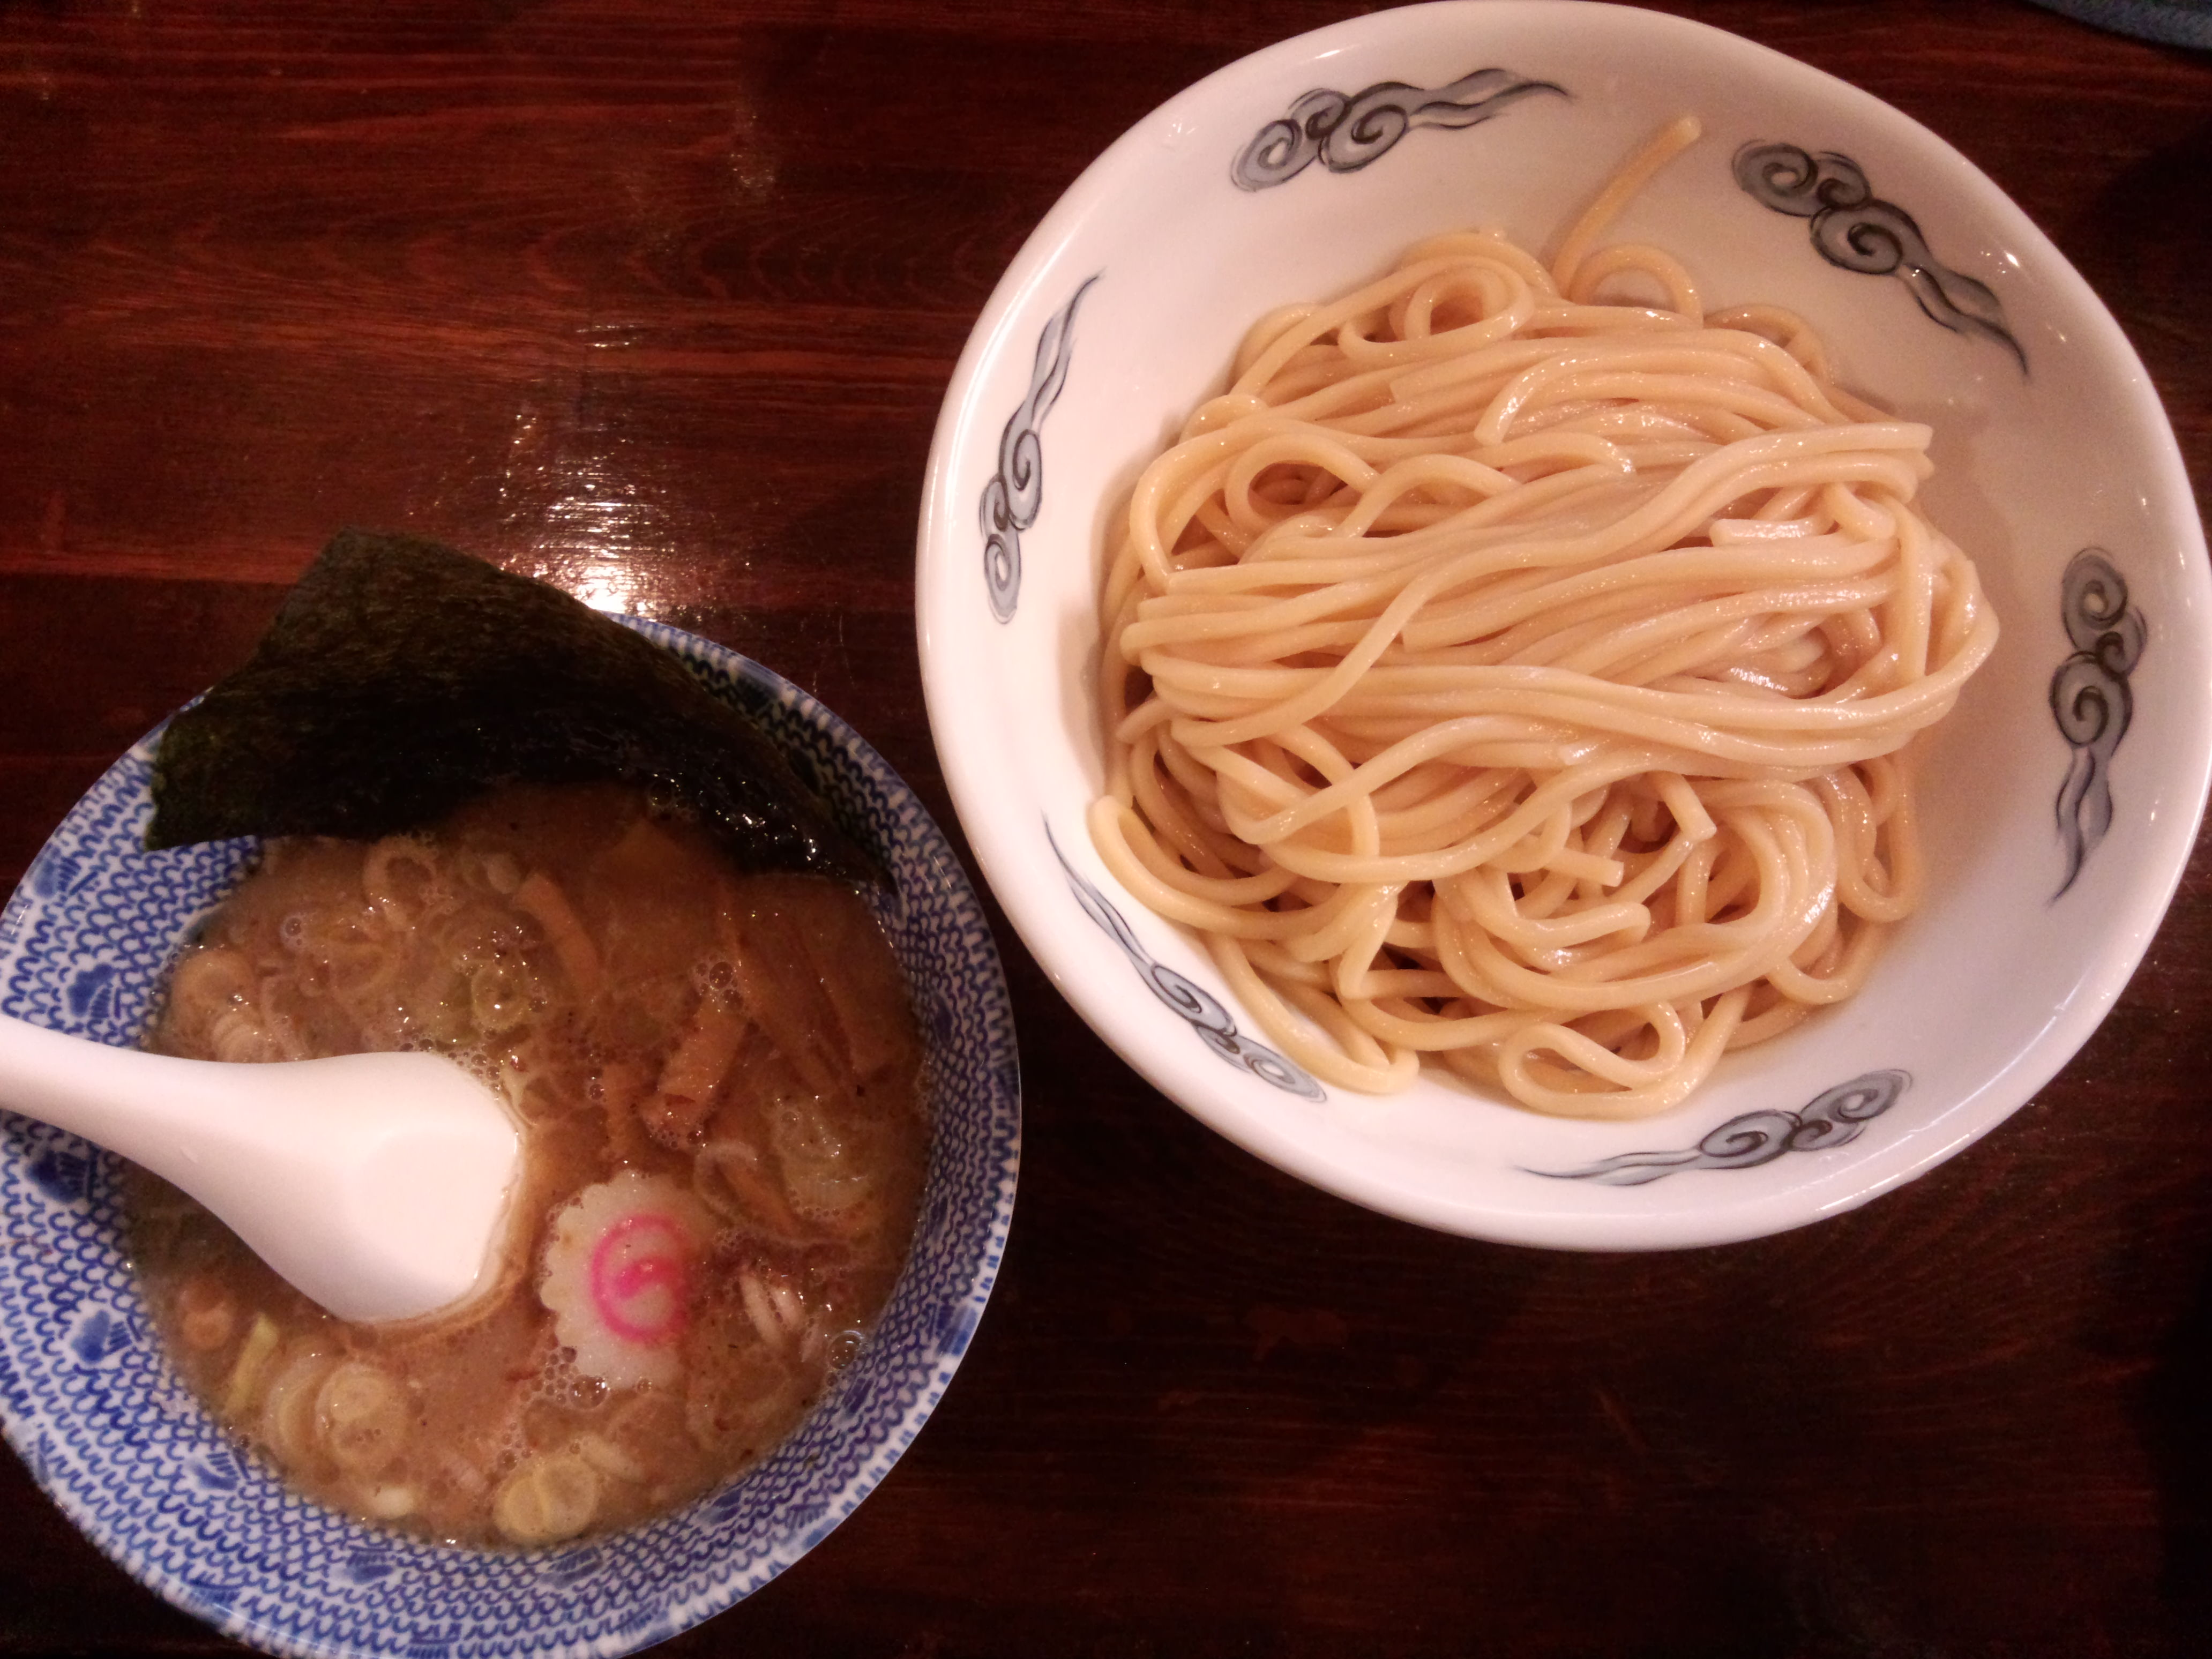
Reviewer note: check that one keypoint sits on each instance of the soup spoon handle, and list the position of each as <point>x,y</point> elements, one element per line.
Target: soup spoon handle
<point>376,1184</point>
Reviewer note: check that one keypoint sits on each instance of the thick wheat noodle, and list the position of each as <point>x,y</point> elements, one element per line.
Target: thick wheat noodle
<point>1527,676</point>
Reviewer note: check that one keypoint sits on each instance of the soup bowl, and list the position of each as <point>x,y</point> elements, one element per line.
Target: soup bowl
<point>112,1434</point>
<point>2059,800</point>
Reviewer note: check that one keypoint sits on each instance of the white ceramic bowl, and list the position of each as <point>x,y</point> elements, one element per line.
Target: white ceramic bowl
<point>1218,207</point>
<point>94,1408</point>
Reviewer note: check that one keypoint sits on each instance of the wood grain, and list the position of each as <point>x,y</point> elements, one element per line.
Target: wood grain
<point>658,302</point>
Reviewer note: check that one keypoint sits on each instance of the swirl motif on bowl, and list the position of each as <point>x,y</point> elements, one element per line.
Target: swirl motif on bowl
<point>1015,494</point>
<point>1345,132</point>
<point>1213,1022</point>
<point>1854,229</point>
<point>1835,1117</point>
<point>2091,698</point>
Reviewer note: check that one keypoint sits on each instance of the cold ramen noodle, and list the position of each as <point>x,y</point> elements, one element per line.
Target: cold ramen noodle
<point>1521,667</point>
<point>719,1076</point>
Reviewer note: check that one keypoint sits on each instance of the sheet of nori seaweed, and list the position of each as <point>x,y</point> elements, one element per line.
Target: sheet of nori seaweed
<point>403,677</point>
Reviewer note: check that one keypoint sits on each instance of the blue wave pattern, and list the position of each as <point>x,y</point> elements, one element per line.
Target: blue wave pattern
<point>127,1453</point>
<point>1833,1118</point>
<point>1345,132</point>
<point>1213,1023</point>
<point>121,933</point>
<point>2091,698</point>
<point>1015,494</point>
<point>1855,230</point>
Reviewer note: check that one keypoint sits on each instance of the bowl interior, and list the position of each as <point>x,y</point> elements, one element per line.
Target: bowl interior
<point>1255,189</point>
<point>122,1445</point>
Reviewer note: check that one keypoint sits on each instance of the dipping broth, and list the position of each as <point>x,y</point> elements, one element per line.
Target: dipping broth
<point>720,1076</point>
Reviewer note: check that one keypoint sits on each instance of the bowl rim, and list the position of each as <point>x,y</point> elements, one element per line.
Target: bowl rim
<point>1006,860</point>
<point>980,1010</point>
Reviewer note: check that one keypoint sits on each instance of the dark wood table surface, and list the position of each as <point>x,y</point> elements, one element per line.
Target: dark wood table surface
<point>657,301</point>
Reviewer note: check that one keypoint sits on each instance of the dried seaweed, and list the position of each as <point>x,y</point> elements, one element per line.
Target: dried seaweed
<point>402,678</point>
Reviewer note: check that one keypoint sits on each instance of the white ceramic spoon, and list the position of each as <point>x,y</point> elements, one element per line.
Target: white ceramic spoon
<point>376,1184</point>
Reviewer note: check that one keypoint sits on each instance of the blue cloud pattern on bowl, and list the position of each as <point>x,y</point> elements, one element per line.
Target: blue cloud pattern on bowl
<point>1209,1021</point>
<point>1016,492</point>
<point>1854,229</point>
<point>1835,1117</point>
<point>123,1449</point>
<point>2091,698</point>
<point>1344,133</point>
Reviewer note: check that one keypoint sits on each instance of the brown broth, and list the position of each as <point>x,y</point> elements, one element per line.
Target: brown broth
<point>734,1059</point>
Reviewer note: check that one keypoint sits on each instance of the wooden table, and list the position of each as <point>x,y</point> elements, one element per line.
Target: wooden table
<point>658,302</point>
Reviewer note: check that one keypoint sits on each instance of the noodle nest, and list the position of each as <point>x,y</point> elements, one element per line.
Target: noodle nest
<point>1517,674</point>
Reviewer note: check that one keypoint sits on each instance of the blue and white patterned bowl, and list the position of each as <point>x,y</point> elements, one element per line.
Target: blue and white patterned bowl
<point>123,1447</point>
<point>2061,799</point>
